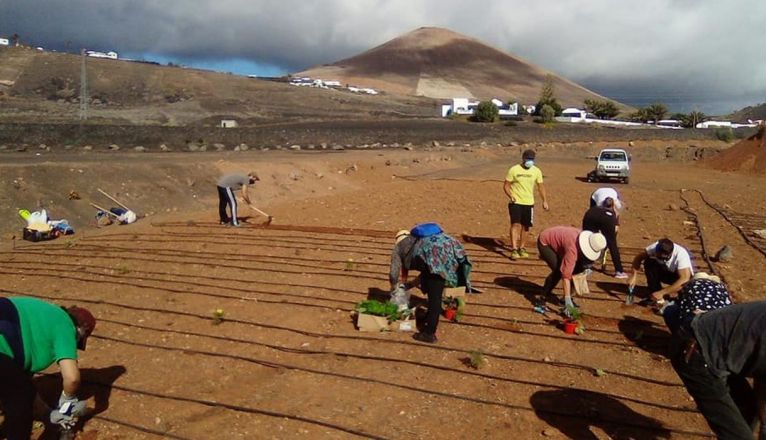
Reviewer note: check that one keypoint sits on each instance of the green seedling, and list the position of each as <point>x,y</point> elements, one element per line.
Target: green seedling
<point>477,360</point>
<point>122,270</point>
<point>599,372</point>
<point>350,264</point>
<point>377,308</point>
<point>218,316</point>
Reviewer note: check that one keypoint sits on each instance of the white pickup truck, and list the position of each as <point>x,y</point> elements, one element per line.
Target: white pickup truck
<point>611,163</point>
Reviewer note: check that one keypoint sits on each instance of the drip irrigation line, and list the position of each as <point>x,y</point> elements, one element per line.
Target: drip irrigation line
<point>391,360</point>
<point>102,254</point>
<point>35,272</point>
<point>440,347</point>
<point>370,380</point>
<point>376,233</point>
<point>365,435</point>
<point>421,178</point>
<point>726,217</point>
<point>163,434</point>
<point>698,226</point>
<point>237,408</point>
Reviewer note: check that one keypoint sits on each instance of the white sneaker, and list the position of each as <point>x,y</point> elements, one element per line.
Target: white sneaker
<point>621,275</point>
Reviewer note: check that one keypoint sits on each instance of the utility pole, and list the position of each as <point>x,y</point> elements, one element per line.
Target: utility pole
<point>83,88</point>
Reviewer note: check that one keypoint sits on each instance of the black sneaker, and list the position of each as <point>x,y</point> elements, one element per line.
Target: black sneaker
<point>428,338</point>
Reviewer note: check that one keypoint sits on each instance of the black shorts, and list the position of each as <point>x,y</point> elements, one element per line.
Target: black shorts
<point>523,214</point>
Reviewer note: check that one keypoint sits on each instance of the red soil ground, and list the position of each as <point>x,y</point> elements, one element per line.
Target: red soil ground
<point>287,361</point>
<point>748,156</point>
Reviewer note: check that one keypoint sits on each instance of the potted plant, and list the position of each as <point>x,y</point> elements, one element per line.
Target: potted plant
<point>453,308</point>
<point>573,322</point>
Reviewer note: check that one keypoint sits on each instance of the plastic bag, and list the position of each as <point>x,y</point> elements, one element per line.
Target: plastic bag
<point>401,297</point>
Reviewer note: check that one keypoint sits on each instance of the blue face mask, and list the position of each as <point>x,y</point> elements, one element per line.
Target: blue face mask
<point>529,163</point>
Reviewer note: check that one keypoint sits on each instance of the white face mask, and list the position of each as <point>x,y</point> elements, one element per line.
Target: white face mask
<point>529,163</point>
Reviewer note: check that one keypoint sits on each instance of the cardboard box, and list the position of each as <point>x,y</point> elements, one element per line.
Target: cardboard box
<point>371,323</point>
<point>454,292</point>
<point>405,325</point>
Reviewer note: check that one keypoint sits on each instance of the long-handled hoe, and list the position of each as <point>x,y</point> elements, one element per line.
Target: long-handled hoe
<point>270,218</point>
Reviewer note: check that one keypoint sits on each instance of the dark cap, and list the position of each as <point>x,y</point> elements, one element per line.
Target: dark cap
<point>528,155</point>
<point>85,322</point>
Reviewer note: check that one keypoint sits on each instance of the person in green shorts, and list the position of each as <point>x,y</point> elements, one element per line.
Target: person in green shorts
<point>34,334</point>
<point>519,186</point>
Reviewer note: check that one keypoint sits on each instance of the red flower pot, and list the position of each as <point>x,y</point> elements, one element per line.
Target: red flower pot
<point>570,327</point>
<point>450,314</point>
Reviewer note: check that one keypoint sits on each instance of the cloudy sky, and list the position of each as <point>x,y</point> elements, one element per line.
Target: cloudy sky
<point>688,54</point>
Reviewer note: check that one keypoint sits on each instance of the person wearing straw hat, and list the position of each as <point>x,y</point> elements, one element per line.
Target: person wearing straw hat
<point>35,334</point>
<point>703,293</point>
<point>226,187</point>
<point>441,261</point>
<point>568,251</point>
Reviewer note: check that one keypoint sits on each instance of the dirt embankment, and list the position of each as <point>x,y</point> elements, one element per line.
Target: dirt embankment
<point>748,155</point>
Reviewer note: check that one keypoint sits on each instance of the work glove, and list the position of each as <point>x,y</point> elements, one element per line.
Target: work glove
<point>68,409</point>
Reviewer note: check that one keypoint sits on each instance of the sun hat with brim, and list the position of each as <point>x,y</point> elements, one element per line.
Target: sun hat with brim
<point>401,235</point>
<point>592,244</point>
<point>85,322</point>
<point>707,276</point>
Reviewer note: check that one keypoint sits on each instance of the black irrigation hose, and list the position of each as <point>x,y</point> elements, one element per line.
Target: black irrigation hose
<point>105,254</point>
<point>143,429</point>
<point>698,226</point>
<point>35,272</point>
<point>726,217</point>
<point>237,408</point>
<point>388,359</point>
<point>441,347</point>
<point>411,388</point>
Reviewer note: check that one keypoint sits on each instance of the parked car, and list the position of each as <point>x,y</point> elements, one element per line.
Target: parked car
<point>611,164</point>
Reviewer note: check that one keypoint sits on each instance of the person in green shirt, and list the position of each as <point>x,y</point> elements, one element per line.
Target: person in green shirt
<point>519,186</point>
<point>34,334</point>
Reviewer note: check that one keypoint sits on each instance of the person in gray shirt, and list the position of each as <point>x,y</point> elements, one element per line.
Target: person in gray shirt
<point>226,187</point>
<point>714,356</point>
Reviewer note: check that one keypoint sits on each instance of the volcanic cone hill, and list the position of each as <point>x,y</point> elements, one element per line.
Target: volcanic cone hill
<point>748,155</point>
<point>439,63</point>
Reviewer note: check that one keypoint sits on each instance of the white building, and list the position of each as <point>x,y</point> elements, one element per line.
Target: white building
<point>463,106</point>
<point>229,123</point>
<point>4,42</point>
<point>95,54</point>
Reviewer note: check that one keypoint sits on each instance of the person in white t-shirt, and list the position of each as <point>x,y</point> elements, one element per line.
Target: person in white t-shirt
<point>664,262</point>
<point>600,195</point>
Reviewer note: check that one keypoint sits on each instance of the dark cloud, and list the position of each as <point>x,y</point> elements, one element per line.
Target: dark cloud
<point>700,49</point>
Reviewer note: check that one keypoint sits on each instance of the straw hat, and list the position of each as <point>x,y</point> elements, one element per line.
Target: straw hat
<point>592,244</point>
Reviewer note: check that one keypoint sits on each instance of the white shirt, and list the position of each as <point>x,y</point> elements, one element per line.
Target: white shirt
<point>602,194</point>
<point>679,259</point>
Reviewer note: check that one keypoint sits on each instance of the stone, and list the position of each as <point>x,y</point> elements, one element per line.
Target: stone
<point>338,147</point>
<point>68,147</point>
<point>435,143</point>
<point>165,148</point>
<point>243,147</point>
<point>631,143</point>
<point>219,147</point>
<point>549,432</point>
<point>114,147</point>
<point>294,175</point>
<point>388,163</point>
<point>139,149</point>
<point>408,148</point>
<point>760,233</point>
<point>203,148</point>
<point>193,147</point>
<point>352,169</point>
<point>295,147</point>
<point>87,148</point>
<point>725,254</point>
<point>237,148</point>
<point>42,146</point>
<point>21,148</point>
<point>673,207</point>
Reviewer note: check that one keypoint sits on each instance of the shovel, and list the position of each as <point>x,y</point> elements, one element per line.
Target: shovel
<point>270,218</point>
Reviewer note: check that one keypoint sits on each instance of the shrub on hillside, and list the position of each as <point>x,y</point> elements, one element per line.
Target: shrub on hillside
<point>486,112</point>
<point>547,113</point>
<point>725,134</point>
